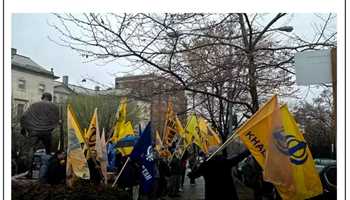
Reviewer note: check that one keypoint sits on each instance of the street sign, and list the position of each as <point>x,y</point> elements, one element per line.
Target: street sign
<point>313,67</point>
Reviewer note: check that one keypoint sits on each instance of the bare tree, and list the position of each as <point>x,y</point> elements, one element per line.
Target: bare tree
<point>316,121</point>
<point>229,61</point>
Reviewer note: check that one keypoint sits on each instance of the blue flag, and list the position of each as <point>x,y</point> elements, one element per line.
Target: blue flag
<point>143,152</point>
<point>111,155</point>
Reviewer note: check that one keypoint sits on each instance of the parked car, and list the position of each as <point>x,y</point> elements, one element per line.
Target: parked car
<point>321,163</point>
<point>327,169</point>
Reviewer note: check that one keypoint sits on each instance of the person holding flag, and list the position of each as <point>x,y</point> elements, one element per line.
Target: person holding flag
<point>274,140</point>
<point>77,166</point>
<point>217,173</point>
<point>143,153</point>
<point>96,176</point>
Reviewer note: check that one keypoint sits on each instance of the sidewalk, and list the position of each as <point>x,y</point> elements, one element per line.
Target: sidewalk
<point>196,192</point>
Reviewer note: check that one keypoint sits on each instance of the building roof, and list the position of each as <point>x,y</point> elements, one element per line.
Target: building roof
<point>26,63</point>
<point>75,88</point>
<point>82,90</point>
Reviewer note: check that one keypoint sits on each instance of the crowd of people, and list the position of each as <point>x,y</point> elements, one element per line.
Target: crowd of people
<point>169,176</point>
<point>169,171</point>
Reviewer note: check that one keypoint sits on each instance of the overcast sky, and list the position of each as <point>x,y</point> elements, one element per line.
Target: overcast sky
<point>30,37</point>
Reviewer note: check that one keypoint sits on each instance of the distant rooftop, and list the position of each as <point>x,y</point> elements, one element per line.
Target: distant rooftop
<point>76,88</point>
<point>26,63</point>
<point>87,91</point>
<point>136,77</point>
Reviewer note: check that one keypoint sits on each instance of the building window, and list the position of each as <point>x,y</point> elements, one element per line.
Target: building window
<point>42,88</point>
<point>22,84</point>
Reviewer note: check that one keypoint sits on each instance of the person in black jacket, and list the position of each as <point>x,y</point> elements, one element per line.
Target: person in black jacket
<point>94,165</point>
<point>129,179</point>
<point>174,181</point>
<point>38,122</point>
<point>217,173</point>
<point>164,174</point>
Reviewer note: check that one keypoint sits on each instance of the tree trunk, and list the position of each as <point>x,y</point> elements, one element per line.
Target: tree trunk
<point>252,83</point>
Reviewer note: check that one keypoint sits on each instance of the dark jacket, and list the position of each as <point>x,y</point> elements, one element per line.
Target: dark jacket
<point>217,174</point>
<point>95,171</point>
<point>56,172</point>
<point>40,118</point>
<point>164,170</point>
<point>130,175</point>
<point>175,166</point>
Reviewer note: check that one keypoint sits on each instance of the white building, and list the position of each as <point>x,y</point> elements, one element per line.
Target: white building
<point>29,82</point>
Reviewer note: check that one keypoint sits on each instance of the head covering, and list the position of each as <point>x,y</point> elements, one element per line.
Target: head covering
<point>47,96</point>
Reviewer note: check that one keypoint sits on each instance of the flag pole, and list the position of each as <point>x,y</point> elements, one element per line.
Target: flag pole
<point>235,135</point>
<point>121,171</point>
<point>176,147</point>
<point>165,123</point>
<point>230,139</point>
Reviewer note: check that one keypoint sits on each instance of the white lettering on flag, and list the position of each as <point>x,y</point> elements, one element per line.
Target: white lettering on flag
<point>145,173</point>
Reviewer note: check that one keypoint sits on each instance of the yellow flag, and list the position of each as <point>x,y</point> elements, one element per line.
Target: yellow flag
<point>213,138</point>
<point>126,129</point>
<point>203,134</point>
<point>159,143</point>
<point>192,132</point>
<point>179,126</point>
<point>76,161</point>
<point>122,110</point>
<point>203,127</point>
<point>74,124</point>
<point>121,120</point>
<point>122,128</point>
<point>91,134</point>
<point>172,125</point>
<point>159,147</point>
<point>125,151</point>
<point>305,175</point>
<point>257,130</point>
<point>258,135</point>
